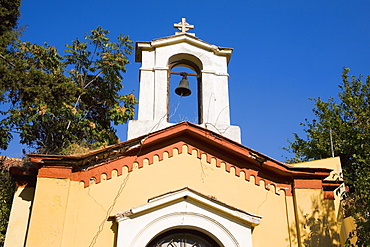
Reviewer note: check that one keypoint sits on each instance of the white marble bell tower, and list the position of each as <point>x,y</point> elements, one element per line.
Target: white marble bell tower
<point>158,57</point>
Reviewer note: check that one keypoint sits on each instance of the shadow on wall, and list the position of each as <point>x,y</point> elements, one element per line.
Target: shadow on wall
<point>114,228</point>
<point>319,227</point>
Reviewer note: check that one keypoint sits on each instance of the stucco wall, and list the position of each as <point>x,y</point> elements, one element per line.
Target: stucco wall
<point>68,214</point>
<point>19,217</point>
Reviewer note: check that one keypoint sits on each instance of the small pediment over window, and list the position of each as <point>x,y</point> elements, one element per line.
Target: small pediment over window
<point>188,210</point>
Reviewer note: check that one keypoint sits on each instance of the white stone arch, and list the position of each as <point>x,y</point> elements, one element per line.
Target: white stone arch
<point>195,64</point>
<point>192,220</point>
<point>185,209</point>
<point>187,60</point>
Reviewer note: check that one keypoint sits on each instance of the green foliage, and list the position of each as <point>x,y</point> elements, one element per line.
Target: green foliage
<point>9,14</point>
<point>59,100</point>
<point>349,124</point>
<point>7,188</point>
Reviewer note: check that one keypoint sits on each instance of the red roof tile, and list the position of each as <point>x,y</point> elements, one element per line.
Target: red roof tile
<point>8,162</point>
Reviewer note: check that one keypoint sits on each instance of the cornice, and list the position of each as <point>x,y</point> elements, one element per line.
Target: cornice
<point>224,151</point>
<point>181,38</point>
<point>87,160</point>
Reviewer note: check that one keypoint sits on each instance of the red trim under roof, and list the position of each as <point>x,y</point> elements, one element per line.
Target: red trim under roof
<point>215,145</point>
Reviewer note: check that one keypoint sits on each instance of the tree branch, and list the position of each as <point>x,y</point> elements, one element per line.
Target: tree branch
<point>79,96</point>
<point>6,60</point>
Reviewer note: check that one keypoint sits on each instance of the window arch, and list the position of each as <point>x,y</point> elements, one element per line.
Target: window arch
<point>183,238</point>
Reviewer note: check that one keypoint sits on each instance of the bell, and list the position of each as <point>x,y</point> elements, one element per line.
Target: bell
<point>183,88</point>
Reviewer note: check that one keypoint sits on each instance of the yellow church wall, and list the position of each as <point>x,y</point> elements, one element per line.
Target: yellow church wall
<point>348,226</point>
<point>344,224</point>
<point>48,212</point>
<point>292,221</point>
<point>68,214</point>
<point>18,220</point>
<point>331,163</point>
<point>317,219</point>
<point>313,208</point>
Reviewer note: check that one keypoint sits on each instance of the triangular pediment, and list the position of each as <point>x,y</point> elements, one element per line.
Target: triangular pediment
<point>177,39</point>
<point>193,197</point>
<point>185,209</point>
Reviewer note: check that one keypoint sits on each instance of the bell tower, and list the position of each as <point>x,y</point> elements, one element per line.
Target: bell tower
<point>209,63</point>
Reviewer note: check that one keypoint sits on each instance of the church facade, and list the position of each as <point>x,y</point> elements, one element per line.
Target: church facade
<point>178,184</point>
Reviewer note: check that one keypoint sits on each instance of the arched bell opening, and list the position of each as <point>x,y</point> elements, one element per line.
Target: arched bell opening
<point>183,237</point>
<point>184,89</point>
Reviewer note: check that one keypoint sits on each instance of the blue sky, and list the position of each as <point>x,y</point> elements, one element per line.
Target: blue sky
<point>285,51</point>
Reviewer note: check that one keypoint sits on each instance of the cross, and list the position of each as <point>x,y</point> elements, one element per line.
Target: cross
<point>183,26</point>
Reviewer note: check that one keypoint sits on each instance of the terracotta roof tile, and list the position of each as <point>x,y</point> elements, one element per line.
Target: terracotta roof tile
<point>8,162</point>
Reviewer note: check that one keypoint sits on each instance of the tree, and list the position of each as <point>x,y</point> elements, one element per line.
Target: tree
<point>347,124</point>
<point>61,100</point>
<point>7,189</point>
<point>9,14</point>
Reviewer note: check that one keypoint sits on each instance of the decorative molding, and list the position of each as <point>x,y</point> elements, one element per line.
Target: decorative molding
<point>329,195</point>
<point>186,209</point>
<point>329,187</point>
<point>123,215</point>
<point>161,68</point>
<point>147,69</point>
<point>307,184</point>
<point>55,172</point>
<point>232,155</point>
<point>212,72</point>
<point>129,161</point>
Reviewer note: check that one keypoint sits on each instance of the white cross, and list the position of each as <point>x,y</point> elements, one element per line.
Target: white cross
<point>183,26</point>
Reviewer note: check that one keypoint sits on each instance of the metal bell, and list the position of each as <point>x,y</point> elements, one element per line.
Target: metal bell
<point>183,88</point>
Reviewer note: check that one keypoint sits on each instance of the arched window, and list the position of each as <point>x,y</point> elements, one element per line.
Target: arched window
<point>183,238</point>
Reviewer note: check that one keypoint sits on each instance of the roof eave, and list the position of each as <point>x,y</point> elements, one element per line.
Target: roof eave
<point>190,131</point>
